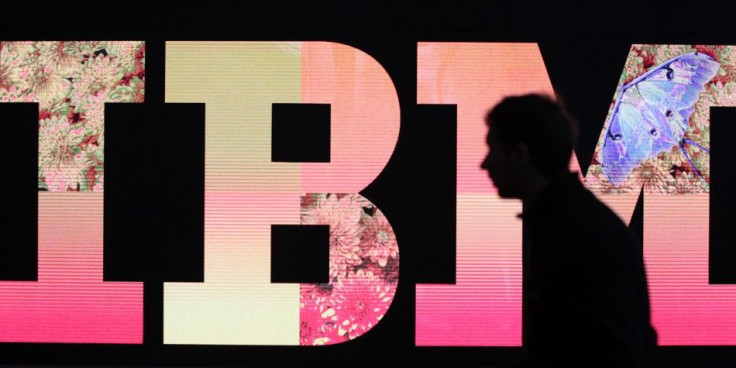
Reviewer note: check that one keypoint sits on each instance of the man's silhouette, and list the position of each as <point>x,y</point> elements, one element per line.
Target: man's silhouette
<point>585,298</point>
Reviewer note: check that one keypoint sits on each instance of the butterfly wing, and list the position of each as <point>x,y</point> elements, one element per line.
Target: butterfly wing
<point>623,146</point>
<point>652,113</point>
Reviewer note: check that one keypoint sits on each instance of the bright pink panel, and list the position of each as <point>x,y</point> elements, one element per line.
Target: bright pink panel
<point>686,310</point>
<point>70,303</point>
<point>483,308</point>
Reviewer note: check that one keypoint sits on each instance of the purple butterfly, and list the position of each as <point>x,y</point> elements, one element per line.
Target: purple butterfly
<point>652,114</point>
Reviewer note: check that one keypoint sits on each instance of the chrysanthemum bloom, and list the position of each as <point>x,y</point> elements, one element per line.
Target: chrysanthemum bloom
<point>98,75</point>
<point>125,52</point>
<point>318,325</point>
<point>686,183</point>
<point>651,175</point>
<point>360,301</point>
<point>43,80</point>
<point>343,216</point>
<point>61,161</point>
<point>378,241</point>
<point>93,109</point>
<point>57,56</point>
<point>6,76</point>
<point>16,50</point>
<point>315,294</point>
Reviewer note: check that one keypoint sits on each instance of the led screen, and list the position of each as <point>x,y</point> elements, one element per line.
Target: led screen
<point>655,139</point>
<point>246,192</point>
<point>71,82</point>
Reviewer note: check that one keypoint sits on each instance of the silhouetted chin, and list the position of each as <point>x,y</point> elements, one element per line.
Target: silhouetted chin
<point>506,193</point>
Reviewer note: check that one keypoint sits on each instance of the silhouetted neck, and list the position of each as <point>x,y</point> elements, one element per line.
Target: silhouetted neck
<point>543,186</point>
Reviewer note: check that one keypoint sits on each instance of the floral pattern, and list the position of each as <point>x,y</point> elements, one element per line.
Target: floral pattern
<point>670,172</point>
<point>364,270</point>
<point>71,82</point>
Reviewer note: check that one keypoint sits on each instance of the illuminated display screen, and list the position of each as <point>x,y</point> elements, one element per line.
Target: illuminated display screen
<point>71,82</point>
<point>656,139</point>
<point>246,193</point>
<point>323,142</point>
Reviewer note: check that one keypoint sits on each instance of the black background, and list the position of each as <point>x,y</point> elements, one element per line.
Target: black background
<point>584,45</point>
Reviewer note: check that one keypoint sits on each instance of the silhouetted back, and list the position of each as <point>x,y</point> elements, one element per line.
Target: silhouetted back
<point>585,298</point>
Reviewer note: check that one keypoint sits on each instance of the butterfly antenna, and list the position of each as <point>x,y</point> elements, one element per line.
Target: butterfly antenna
<point>689,141</point>
<point>684,152</point>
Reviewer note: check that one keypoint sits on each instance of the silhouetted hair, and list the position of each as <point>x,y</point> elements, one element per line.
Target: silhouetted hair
<point>539,122</point>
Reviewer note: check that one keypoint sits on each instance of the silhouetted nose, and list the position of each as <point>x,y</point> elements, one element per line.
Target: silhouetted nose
<point>484,164</point>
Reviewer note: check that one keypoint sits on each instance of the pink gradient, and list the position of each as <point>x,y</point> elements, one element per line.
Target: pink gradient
<point>238,233</point>
<point>474,77</point>
<point>236,304</point>
<point>70,303</point>
<point>364,111</point>
<point>686,310</point>
<point>483,308</point>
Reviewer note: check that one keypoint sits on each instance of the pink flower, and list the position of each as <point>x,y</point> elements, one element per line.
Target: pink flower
<point>318,326</point>
<point>41,78</point>
<point>315,293</point>
<point>58,159</point>
<point>360,300</point>
<point>360,291</point>
<point>97,76</point>
<point>343,216</point>
<point>388,273</point>
<point>378,241</point>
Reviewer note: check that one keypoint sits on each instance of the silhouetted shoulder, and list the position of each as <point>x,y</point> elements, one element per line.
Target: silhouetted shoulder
<point>586,278</point>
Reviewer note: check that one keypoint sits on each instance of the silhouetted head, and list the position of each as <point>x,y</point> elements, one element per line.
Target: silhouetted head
<point>530,139</point>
